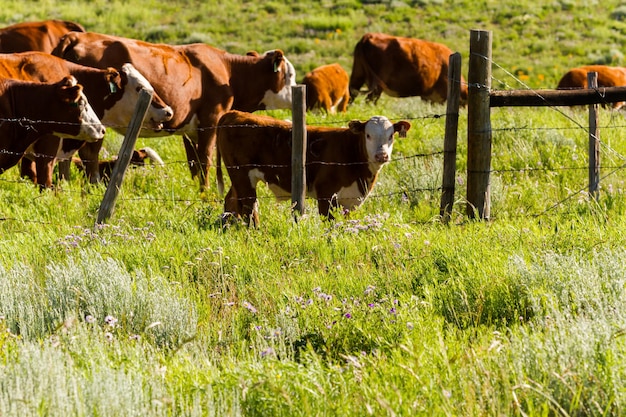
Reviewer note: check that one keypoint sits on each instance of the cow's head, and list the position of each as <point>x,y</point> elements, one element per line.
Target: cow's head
<point>378,133</point>
<point>77,109</point>
<point>279,95</point>
<point>125,94</point>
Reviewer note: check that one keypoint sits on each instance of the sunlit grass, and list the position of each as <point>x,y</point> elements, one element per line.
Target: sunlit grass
<point>162,311</point>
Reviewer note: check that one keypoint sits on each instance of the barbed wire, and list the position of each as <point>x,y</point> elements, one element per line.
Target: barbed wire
<point>578,126</point>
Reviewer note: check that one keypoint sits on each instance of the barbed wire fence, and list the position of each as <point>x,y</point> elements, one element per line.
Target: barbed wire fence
<point>547,101</point>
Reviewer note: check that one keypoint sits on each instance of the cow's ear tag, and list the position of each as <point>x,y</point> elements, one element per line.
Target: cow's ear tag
<point>275,66</point>
<point>112,87</point>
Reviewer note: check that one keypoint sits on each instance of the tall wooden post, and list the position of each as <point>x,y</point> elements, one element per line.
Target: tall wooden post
<point>479,125</point>
<point>594,141</point>
<point>123,159</point>
<point>298,150</point>
<point>451,136</point>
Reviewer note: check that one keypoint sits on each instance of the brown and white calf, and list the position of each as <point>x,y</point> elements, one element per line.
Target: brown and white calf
<point>327,88</point>
<point>138,158</point>
<point>342,164</point>
<point>112,93</point>
<point>29,110</point>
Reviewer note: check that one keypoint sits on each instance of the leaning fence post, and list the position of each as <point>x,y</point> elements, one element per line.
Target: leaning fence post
<point>451,136</point>
<point>298,150</point>
<point>594,141</point>
<point>117,176</point>
<point>479,125</point>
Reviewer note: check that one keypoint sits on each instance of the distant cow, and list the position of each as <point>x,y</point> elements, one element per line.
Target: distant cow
<point>342,164</point>
<point>138,158</point>
<point>327,88</point>
<point>199,81</point>
<point>112,94</point>
<point>35,36</point>
<point>401,67</point>
<point>607,77</point>
<point>29,110</point>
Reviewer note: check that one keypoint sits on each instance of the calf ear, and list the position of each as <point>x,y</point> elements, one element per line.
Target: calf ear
<point>252,53</point>
<point>402,127</point>
<point>356,126</point>
<point>114,79</point>
<point>70,93</point>
<point>277,59</point>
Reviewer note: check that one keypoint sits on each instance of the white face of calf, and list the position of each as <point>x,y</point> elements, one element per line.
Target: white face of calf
<point>282,99</point>
<point>121,113</point>
<point>379,133</point>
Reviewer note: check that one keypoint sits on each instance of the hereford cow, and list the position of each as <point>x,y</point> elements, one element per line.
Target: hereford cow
<point>327,88</point>
<point>401,67</point>
<point>35,36</point>
<point>112,94</point>
<point>138,158</point>
<point>29,110</point>
<point>342,164</point>
<point>199,81</point>
<point>607,77</point>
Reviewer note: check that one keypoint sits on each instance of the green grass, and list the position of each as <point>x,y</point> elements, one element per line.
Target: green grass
<point>161,311</point>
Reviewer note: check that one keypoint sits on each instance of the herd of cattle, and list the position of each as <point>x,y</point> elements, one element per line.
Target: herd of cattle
<point>61,87</point>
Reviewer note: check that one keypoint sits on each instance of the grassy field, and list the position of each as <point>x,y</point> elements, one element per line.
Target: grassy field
<point>390,312</point>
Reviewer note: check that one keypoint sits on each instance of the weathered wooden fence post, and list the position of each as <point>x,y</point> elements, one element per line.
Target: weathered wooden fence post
<point>298,150</point>
<point>594,141</point>
<point>451,136</point>
<point>126,151</point>
<point>479,125</point>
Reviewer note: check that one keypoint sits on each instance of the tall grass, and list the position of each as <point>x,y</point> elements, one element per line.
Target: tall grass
<point>162,311</point>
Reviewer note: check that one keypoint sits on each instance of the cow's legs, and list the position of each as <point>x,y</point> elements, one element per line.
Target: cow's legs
<point>89,154</point>
<point>241,199</point>
<point>193,161</point>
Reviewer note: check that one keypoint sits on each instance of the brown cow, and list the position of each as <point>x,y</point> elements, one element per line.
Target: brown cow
<point>199,81</point>
<point>401,67</point>
<point>35,36</point>
<point>607,77</point>
<point>29,110</point>
<point>342,164</point>
<point>112,94</point>
<point>327,88</point>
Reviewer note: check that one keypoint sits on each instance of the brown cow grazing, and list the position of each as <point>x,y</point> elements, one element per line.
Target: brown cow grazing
<point>112,94</point>
<point>138,158</point>
<point>401,67</point>
<point>29,110</point>
<point>607,77</point>
<point>327,88</point>
<point>342,164</point>
<point>199,81</point>
<point>35,36</point>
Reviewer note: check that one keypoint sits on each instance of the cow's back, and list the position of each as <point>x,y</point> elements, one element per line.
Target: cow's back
<point>35,36</point>
<point>166,67</point>
<point>33,66</point>
<point>607,77</point>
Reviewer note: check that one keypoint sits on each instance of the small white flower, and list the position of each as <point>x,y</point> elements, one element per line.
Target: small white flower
<point>110,320</point>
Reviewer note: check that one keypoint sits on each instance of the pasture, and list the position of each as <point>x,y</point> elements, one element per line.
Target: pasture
<point>388,312</point>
